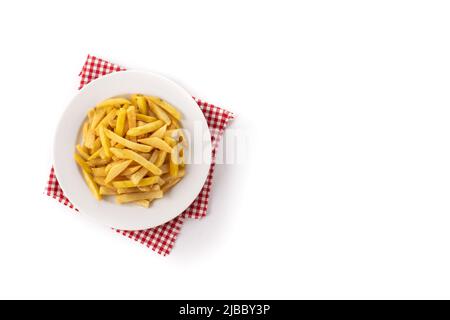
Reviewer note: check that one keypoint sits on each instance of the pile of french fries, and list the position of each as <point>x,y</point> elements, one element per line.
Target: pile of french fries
<point>132,148</point>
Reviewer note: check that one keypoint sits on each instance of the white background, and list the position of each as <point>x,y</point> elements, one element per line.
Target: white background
<point>344,191</point>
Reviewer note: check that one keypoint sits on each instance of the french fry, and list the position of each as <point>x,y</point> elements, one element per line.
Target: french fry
<point>84,131</point>
<point>105,142</point>
<point>90,115</point>
<point>181,172</point>
<point>107,119</point>
<point>160,133</point>
<point>129,184</point>
<point>143,203</point>
<point>92,185</point>
<point>99,172</point>
<point>166,187</point>
<point>161,181</point>
<point>157,143</point>
<point>155,187</point>
<point>170,141</point>
<point>89,138</point>
<point>127,143</point>
<point>171,110</point>
<point>174,161</point>
<point>116,145</point>
<point>150,112</point>
<point>97,162</point>
<point>154,156</point>
<point>177,154</point>
<point>131,155</point>
<point>95,155</point>
<point>101,181</point>
<point>97,145</point>
<point>160,113</point>
<point>138,175</point>
<point>103,155</point>
<point>120,124</point>
<point>131,117</point>
<point>145,155</point>
<point>166,106</point>
<point>180,155</point>
<point>173,168</point>
<point>125,127</point>
<point>175,124</point>
<point>124,172</point>
<point>129,171</point>
<point>161,158</point>
<point>145,189</point>
<point>133,98</point>
<point>108,109</point>
<point>127,190</point>
<point>164,168</point>
<point>130,197</point>
<point>149,127</point>
<point>116,170</point>
<point>166,177</point>
<point>142,104</point>
<point>107,191</point>
<point>82,163</point>
<point>113,102</point>
<point>112,123</point>
<point>108,167</point>
<point>82,151</point>
<point>145,118</point>
<point>98,116</point>
<point>178,135</point>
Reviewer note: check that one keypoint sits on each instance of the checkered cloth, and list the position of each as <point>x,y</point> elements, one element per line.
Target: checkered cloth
<point>162,238</point>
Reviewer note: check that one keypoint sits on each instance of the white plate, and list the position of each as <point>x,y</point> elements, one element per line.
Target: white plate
<point>129,217</point>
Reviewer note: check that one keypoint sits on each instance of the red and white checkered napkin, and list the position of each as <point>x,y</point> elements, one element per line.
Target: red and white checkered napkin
<point>162,238</point>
